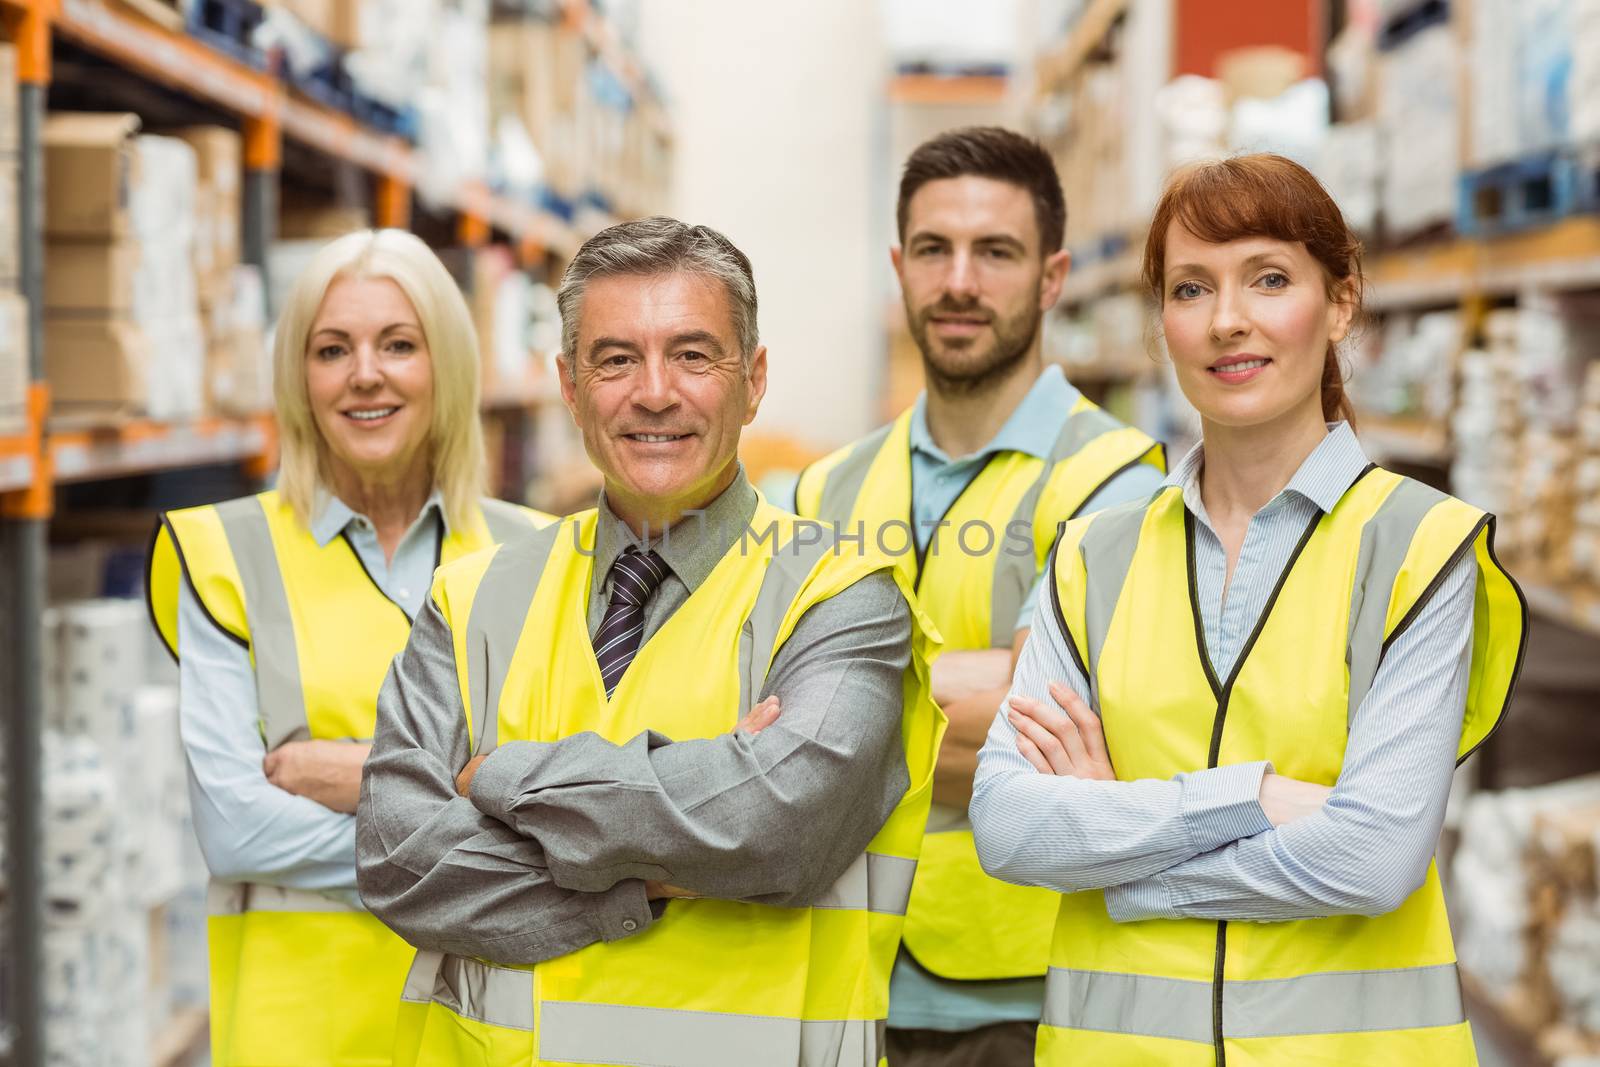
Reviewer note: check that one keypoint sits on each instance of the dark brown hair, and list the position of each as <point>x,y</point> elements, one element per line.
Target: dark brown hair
<point>990,152</point>
<point>1263,195</point>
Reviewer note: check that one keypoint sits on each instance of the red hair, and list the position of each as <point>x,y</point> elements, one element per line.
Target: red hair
<point>1263,195</point>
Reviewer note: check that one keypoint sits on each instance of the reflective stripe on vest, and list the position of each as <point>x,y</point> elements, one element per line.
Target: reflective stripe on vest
<point>872,882</point>
<point>280,696</point>
<point>506,521</point>
<point>613,1033</point>
<point>1144,1005</point>
<point>496,617</point>
<point>237,898</point>
<point>1361,988</point>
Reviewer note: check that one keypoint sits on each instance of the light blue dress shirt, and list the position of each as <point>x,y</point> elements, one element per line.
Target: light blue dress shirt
<point>249,829</point>
<point>1199,845</point>
<point>919,1000</point>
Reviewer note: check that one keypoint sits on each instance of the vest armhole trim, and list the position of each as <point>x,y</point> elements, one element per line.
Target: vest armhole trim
<point>150,585</point>
<point>1427,594</point>
<point>1061,617</point>
<point>1522,647</point>
<point>800,480</point>
<point>183,567</point>
<point>1114,475</point>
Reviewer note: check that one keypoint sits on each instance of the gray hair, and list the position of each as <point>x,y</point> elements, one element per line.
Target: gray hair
<point>660,245</point>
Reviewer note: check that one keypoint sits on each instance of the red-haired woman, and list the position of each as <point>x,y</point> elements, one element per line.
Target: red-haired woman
<point>1232,732</point>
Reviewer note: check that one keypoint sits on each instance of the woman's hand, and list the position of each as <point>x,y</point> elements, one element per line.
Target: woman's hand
<point>1072,745</point>
<point>328,772</point>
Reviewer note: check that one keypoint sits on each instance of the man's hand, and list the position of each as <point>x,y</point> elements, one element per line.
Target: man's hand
<point>464,779</point>
<point>970,719</point>
<point>1072,745</point>
<point>957,675</point>
<point>760,717</point>
<point>665,891</point>
<point>1287,799</point>
<point>328,772</point>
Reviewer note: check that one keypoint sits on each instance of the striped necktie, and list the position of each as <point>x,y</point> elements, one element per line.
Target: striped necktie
<point>634,577</point>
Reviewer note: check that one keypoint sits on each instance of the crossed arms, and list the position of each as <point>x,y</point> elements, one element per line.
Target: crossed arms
<point>552,850</point>
<point>1234,842</point>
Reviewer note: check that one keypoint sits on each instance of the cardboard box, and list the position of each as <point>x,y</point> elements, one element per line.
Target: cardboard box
<point>13,364</point>
<point>304,221</point>
<point>10,228</point>
<point>90,277</point>
<point>91,166</point>
<point>219,156</point>
<point>219,168</point>
<point>99,364</point>
<point>10,119</point>
<point>522,75</point>
<point>337,20</point>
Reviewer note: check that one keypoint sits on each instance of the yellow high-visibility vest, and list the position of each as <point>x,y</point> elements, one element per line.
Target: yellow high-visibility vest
<point>1346,989</point>
<point>963,924</point>
<point>711,981</point>
<point>297,978</point>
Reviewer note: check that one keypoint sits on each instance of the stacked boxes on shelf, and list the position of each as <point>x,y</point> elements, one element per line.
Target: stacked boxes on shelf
<point>122,323</point>
<point>238,376</point>
<point>591,138</point>
<point>115,805</point>
<point>1406,367</point>
<point>506,307</point>
<point>13,306</point>
<point>1523,439</point>
<point>96,357</point>
<point>1586,483</point>
<point>1419,115</point>
<point>1527,913</point>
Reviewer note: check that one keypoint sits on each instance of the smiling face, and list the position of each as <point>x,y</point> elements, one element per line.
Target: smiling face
<point>369,377</point>
<point>974,282</point>
<point>660,391</point>
<point>1248,324</point>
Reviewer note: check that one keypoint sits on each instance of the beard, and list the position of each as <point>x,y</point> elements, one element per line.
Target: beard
<point>974,365</point>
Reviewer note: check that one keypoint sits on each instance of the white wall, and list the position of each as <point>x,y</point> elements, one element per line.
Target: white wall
<point>779,111</point>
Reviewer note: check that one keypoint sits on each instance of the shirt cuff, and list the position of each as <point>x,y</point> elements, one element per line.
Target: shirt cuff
<point>623,911</point>
<point>1223,804</point>
<point>499,777</point>
<point>1146,898</point>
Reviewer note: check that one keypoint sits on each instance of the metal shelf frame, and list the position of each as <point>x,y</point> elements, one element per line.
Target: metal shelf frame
<point>35,462</point>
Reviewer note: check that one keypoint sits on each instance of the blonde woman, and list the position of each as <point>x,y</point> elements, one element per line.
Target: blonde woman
<point>284,610</point>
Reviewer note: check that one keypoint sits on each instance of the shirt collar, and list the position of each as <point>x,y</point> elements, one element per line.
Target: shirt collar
<point>1323,478</point>
<point>1032,428</point>
<point>333,515</point>
<point>693,547</point>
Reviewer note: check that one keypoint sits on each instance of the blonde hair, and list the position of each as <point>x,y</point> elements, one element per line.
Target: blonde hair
<point>455,437</point>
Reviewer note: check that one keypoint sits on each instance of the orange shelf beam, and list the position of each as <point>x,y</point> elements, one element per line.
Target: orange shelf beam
<point>143,446</point>
<point>34,497</point>
<point>181,62</point>
<point>173,59</point>
<point>938,89</point>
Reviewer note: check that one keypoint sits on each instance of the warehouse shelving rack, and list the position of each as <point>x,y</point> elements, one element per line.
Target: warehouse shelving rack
<point>49,454</point>
<point>1472,274</point>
